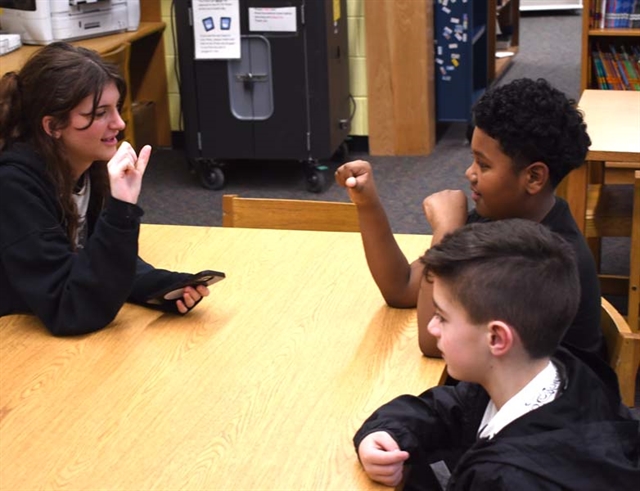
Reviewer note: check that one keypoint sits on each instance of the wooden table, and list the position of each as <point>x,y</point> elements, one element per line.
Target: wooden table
<point>147,67</point>
<point>261,387</point>
<point>613,123</point>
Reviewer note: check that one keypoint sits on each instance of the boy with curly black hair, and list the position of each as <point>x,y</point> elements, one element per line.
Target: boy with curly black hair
<point>528,136</point>
<point>525,415</point>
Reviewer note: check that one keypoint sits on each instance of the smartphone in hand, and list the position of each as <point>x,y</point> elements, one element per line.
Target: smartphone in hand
<point>176,291</point>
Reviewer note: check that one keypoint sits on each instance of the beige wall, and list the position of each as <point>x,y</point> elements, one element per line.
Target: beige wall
<point>357,66</point>
<point>170,63</point>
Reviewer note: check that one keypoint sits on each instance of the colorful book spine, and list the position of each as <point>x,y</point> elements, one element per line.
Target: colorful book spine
<point>595,14</point>
<point>634,16</point>
<point>620,67</point>
<point>626,6</point>
<point>631,68</point>
<point>613,74</point>
<point>610,14</point>
<point>599,71</point>
<point>603,9</point>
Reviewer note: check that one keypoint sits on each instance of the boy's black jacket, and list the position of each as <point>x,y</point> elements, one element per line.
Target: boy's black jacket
<point>584,440</point>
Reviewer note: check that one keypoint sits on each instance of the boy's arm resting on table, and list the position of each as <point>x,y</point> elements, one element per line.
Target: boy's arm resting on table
<point>418,423</point>
<point>427,427</point>
<point>428,344</point>
<point>446,211</point>
<point>397,280</point>
<point>381,458</point>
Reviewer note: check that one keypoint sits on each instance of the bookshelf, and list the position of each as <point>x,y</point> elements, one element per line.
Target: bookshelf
<point>503,35</point>
<point>596,38</point>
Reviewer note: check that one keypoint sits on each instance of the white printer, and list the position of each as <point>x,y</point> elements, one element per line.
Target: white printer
<point>46,21</point>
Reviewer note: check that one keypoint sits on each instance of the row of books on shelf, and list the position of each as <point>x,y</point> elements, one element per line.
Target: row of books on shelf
<point>614,14</point>
<point>617,67</point>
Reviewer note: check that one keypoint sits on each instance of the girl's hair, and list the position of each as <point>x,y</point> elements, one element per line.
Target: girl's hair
<point>52,83</point>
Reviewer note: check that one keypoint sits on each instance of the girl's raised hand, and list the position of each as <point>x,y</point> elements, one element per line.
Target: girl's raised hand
<point>126,170</point>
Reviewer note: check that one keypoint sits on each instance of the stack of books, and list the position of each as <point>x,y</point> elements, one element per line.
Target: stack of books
<point>617,67</point>
<point>614,14</point>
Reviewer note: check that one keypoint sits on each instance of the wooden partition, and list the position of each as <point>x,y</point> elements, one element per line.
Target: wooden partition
<point>150,11</point>
<point>400,77</point>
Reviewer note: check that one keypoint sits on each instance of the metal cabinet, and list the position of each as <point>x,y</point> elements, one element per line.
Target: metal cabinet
<point>286,98</point>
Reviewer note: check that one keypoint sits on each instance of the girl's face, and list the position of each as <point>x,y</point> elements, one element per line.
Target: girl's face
<point>84,145</point>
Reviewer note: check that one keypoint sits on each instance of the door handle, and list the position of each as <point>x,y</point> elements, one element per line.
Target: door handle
<point>251,77</point>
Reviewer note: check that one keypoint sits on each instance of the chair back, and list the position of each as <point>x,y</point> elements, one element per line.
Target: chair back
<point>634,263</point>
<point>623,350</point>
<point>120,57</point>
<point>613,210</point>
<point>289,214</point>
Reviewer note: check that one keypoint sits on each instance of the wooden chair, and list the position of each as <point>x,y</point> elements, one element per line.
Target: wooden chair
<point>623,349</point>
<point>120,57</point>
<point>613,210</point>
<point>289,214</point>
<point>634,266</point>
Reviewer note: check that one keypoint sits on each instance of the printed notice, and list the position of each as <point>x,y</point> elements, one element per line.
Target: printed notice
<point>281,19</point>
<point>216,29</point>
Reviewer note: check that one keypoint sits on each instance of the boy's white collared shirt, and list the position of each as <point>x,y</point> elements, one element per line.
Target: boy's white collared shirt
<point>542,389</point>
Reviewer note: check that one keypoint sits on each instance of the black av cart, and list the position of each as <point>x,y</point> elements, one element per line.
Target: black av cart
<point>285,98</point>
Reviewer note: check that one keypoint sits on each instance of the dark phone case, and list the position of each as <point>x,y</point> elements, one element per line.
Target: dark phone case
<point>174,292</point>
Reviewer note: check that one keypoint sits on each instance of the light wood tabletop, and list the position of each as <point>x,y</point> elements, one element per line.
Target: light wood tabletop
<point>261,387</point>
<point>613,124</point>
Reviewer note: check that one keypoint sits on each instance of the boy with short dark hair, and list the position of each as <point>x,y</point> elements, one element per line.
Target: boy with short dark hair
<point>525,416</point>
<point>528,136</point>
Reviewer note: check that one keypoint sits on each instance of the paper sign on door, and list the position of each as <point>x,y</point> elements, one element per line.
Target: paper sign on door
<point>216,29</point>
<point>282,19</point>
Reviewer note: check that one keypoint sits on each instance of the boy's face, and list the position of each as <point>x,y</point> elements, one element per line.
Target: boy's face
<point>463,344</point>
<point>497,190</point>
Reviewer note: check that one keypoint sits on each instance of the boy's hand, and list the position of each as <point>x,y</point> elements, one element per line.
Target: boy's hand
<point>357,177</point>
<point>125,172</point>
<point>446,211</point>
<point>381,458</point>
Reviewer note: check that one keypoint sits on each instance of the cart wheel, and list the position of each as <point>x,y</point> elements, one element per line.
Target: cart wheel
<point>211,177</point>
<point>316,181</point>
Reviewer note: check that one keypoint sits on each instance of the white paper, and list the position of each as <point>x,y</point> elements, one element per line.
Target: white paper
<point>281,19</point>
<point>216,29</point>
